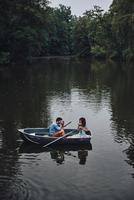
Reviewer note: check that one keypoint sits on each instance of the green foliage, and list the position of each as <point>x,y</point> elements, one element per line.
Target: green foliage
<point>60,31</point>
<point>22,23</point>
<point>92,30</point>
<point>80,34</point>
<point>31,28</point>
<point>123,26</point>
<point>128,54</point>
<point>98,52</point>
<point>109,34</point>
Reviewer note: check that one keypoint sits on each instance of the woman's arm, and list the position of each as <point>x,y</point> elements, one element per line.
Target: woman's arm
<point>88,132</point>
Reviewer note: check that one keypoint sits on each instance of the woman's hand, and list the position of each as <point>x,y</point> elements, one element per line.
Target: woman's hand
<point>80,127</point>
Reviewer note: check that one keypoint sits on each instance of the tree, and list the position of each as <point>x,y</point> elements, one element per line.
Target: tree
<point>122,26</point>
<point>22,22</point>
<point>60,31</point>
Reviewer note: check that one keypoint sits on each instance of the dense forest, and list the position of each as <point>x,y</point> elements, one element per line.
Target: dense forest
<point>31,28</point>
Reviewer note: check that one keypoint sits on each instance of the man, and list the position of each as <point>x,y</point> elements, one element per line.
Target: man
<point>57,129</point>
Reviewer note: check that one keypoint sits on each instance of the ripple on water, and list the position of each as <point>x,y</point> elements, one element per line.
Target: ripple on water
<point>14,188</point>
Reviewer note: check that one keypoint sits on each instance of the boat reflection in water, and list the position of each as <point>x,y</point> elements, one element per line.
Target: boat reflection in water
<point>58,153</point>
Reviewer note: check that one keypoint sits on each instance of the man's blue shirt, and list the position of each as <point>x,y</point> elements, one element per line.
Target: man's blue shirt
<point>54,128</point>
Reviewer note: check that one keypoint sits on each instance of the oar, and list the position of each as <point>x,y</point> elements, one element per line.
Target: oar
<point>58,139</point>
<point>67,124</point>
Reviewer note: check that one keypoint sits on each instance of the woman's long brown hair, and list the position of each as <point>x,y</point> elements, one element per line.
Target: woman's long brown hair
<point>83,121</point>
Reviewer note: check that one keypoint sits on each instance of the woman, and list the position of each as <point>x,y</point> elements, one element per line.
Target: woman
<point>82,126</point>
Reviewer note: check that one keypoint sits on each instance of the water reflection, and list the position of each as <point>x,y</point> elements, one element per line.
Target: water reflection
<point>122,101</point>
<point>82,155</point>
<point>118,80</point>
<point>59,154</point>
<point>34,95</point>
<point>130,156</point>
<point>11,185</point>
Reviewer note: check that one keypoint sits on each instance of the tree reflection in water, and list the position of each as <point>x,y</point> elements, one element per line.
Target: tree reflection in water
<point>130,154</point>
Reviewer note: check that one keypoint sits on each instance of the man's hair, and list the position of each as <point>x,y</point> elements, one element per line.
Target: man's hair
<point>58,119</point>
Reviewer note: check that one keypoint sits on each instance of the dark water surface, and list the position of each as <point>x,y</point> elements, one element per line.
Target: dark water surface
<point>33,96</point>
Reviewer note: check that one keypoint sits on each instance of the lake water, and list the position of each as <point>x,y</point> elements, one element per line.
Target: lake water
<point>33,96</point>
